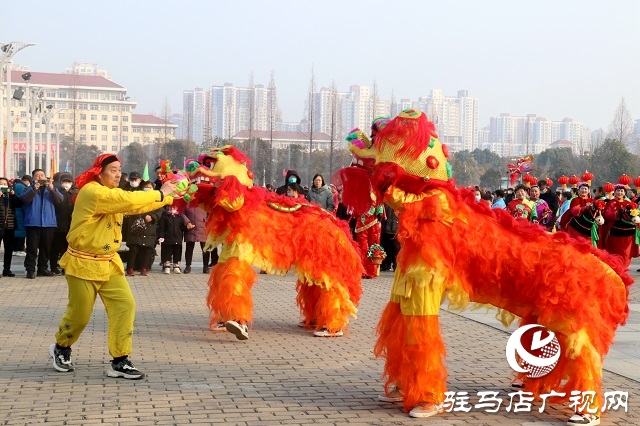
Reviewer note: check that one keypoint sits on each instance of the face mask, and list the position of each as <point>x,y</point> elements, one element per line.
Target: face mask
<point>146,189</point>
<point>477,198</point>
<point>292,179</point>
<point>173,211</point>
<point>134,183</point>
<point>66,186</point>
<point>289,194</point>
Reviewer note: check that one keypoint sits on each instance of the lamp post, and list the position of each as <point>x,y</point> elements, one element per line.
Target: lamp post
<point>7,51</point>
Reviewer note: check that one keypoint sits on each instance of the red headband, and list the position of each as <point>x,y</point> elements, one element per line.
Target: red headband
<point>98,164</point>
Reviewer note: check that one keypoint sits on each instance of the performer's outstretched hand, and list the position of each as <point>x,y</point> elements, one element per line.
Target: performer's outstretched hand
<point>168,187</point>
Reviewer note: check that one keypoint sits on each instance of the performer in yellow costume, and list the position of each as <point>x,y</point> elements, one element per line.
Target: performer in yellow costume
<point>92,265</point>
<point>455,248</point>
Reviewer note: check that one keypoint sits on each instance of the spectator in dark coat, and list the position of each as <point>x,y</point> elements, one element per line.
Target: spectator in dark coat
<point>20,232</point>
<point>8,203</point>
<point>321,194</point>
<point>64,211</point>
<point>552,200</point>
<point>291,177</point>
<point>388,239</point>
<point>195,219</point>
<point>170,234</point>
<point>142,238</point>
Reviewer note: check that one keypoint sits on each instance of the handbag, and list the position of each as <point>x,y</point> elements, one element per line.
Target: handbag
<point>138,227</point>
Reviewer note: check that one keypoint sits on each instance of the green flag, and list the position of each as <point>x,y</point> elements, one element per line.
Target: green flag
<point>145,172</point>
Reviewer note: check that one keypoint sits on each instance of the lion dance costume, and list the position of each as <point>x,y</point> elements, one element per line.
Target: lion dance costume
<point>455,248</point>
<point>259,228</point>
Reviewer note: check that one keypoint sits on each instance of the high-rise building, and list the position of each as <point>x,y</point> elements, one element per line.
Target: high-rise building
<point>456,118</point>
<point>521,135</point>
<point>234,109</point>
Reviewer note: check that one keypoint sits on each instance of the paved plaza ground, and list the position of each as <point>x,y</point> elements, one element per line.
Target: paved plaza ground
<point>281,375</point>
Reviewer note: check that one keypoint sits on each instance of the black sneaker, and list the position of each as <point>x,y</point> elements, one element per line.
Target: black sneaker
<point>61,358</point>
<point>8,274</point>
<point>124,369</point>
<point>45,273</point>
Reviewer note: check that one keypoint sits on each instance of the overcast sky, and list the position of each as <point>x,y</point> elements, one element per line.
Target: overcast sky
<point>552,58</point>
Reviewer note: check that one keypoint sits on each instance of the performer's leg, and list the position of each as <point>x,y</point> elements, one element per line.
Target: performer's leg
<point>121,311</point>
<point>307,300</point>
<point>410,341</point>
<point>362,240</point>
<point>229,295</point>
<point>82,298</point>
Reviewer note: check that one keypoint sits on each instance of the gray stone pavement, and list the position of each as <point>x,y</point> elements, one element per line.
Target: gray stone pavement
<point>281,375</point>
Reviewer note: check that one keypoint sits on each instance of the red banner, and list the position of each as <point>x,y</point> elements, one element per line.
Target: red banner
<point>21,147</point>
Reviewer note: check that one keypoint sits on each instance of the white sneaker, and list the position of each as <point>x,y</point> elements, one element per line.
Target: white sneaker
<point>166,270</point>
<point>19,253</point>
<point>176,270</point>
<point>218,327</point>
<point>584,419</point>
<point>427,410</point>
<point>393,396</point>
<point>240,330</point>
<point>326,333</point>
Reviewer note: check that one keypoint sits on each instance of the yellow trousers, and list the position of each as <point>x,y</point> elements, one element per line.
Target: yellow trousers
<point>118,302</point>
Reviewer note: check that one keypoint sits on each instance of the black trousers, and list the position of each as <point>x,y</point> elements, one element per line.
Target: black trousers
<point>188,253</point>
<point>170,252</point>
<point>8,240</point>
<point>58,247</point>
<point>38,248</point>
<point>392,246</point>
<point>141,256</point>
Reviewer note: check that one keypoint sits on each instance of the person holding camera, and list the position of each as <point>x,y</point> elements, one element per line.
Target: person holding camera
<point>39,202</point>
<point>8,202</point>
<point>64,210</point>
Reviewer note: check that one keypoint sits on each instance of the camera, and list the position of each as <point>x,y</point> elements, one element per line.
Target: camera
<point>4,189</point>
<point>44,181</point>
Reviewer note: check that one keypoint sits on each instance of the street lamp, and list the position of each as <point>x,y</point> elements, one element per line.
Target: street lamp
<point>7,51</point>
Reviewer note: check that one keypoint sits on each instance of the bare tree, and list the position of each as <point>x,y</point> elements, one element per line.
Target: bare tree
<point>334,123</point>
<point>393,108</point>
<point>165,114</point>
<point>312,110</point>
<point>374,101</point>
<point>230,110</point>
<point>621,127</point>
<point>251,116</point>
<point>272,105</point>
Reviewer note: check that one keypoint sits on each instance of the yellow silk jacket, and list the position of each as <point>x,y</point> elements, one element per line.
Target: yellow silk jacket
<point>96,228</point>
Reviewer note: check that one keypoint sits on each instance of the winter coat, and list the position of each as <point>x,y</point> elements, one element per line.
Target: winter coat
<point>20,231</point>
<point>322,196</point>
<point>38,206</point>
<point>64,210</point>
<point>171,227</point>
<point>282,190</point>
<point>197,217</point>
<point>149,237</point>
<point>8,203</point>
<point>391,222</point>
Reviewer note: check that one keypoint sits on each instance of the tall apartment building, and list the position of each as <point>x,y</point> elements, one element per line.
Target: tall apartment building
<point>194,105</point>
<point>456,118</point>
<point>234,109</point>
<point>521,135</point>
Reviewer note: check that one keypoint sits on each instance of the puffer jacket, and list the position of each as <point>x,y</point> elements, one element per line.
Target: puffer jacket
<point>38,206</point>
<point>322,196</point>
<point>148,239</point>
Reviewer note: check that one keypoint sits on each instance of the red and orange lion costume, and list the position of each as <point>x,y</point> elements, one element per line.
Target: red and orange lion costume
<point>275,234</point>
<point>455,248</point>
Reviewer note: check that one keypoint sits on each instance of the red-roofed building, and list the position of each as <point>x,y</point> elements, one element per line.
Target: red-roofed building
<point>87,108</point>
<point>148,128</point>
